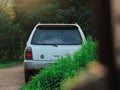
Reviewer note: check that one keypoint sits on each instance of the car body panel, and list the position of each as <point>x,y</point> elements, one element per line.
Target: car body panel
<point>50,52</point>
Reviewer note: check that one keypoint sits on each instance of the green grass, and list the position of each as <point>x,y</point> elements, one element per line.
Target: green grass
<point>9,64</point>
<point>53,77</point>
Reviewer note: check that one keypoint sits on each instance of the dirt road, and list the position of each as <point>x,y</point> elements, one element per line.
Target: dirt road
<point>11,78</point>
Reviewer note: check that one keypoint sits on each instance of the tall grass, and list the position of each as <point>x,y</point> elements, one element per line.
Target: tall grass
<point>53,77</point>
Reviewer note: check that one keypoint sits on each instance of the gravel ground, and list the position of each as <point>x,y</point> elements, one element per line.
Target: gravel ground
<point>12,78</point>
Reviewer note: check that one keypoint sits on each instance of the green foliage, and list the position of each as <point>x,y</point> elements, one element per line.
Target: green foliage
<point>9,63</point>
<point>10,36</point>
<point>86,54</point>
<point>54,11</point>
<point>53,77</point>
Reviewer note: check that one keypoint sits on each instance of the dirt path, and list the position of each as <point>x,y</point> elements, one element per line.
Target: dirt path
<point>11,78</point>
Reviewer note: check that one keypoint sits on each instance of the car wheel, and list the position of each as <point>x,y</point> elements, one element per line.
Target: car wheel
<point>27,76</point>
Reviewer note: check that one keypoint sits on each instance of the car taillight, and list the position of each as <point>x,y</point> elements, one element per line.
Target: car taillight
<point>28,53</point>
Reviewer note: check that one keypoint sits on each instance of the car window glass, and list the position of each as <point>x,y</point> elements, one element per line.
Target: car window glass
<point>56,37</point>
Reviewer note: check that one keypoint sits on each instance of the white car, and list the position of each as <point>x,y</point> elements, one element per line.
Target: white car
<point>48,42</point>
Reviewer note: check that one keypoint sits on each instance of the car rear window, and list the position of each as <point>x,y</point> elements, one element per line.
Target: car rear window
<point>45,36</point>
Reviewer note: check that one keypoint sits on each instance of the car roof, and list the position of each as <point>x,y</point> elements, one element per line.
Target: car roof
<point>57,24</point>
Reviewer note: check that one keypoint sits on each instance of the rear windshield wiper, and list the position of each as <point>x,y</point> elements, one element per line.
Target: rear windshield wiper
<point>55,45</point>
<point>50,44</point>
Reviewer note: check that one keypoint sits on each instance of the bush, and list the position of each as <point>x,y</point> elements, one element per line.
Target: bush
<point>11,36</point>
<point>52,77</point>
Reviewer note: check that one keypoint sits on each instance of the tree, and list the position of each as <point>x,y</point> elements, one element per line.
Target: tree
<point>54,11</point>
<point>10,35</point>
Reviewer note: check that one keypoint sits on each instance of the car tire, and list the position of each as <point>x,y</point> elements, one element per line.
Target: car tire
<point>27,76</point>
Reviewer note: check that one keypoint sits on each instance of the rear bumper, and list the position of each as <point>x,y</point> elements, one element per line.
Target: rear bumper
<point>34,65</point>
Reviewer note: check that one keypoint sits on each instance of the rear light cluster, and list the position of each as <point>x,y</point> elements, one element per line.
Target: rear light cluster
<point>28,53</point>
